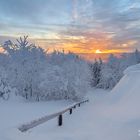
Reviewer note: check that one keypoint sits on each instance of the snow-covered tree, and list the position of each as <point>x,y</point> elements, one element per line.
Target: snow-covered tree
<point>111,73</point>
<point>67,77</point>
<point>132,58</point>
<point>40,76</point>
<point>95,69</point>
<point>27,61</point>
<point>5,88</point>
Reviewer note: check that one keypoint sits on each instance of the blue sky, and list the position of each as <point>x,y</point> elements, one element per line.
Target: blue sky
<point>82,26</point>
<point>27,16</point>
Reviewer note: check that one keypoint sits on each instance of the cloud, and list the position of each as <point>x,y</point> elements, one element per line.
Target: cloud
<point>33,9</point>
<point>74,24</point>
<point>116,20</point>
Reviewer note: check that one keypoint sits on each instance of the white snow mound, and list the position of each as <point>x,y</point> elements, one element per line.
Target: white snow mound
<point>126,95</point>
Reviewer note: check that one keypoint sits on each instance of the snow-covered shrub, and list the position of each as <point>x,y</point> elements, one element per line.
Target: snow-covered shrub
<point>111,73</point>
<point>40,76</point>
<point>106,75</point>
<point>27,62</point>
<point>66,77</point>
<point>5,88</point>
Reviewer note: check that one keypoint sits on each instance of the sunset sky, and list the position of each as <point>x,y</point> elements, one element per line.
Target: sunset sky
<point>80,26</point>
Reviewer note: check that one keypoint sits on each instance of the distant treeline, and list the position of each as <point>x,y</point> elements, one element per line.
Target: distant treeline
<point>28,71</point>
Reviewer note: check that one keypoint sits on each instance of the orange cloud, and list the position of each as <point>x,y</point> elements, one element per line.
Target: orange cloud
<point>86,43</point>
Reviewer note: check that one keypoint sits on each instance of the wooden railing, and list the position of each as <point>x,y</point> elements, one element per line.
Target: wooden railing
<point>59,114</point>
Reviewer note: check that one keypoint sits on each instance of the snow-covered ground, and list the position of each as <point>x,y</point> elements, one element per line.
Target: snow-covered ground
<point>108,116</point>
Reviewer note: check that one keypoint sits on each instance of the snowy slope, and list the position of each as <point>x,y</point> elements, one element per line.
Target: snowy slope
<point>126,95</point>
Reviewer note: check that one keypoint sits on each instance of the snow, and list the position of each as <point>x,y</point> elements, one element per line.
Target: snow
<point>108,116</point>
<point>126,96</point>
<point>16,112</point>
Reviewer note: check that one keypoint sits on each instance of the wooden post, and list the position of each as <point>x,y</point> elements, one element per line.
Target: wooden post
<point>60,120</point>
<point>71,111</point>
<point>79,104</point>
<point>74,106</point>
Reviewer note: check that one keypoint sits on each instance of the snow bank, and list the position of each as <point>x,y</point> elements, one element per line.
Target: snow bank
<point>126,96</point>
<point>131,69</point>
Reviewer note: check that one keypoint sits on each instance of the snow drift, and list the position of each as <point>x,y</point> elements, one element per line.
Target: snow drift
<point>126,95</point>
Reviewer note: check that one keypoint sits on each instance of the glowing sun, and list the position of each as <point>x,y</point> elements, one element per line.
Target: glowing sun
<point>98,51</point>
